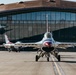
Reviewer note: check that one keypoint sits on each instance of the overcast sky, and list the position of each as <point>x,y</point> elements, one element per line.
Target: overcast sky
<point>13,1</point>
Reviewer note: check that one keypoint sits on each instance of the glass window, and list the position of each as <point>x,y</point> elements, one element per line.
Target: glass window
<point>14,17</point>
<point>33,16</point>
<point>57,15</point>
<point>49,15</point>
<point>1,18</point>
<point>28,16</point>
<point>23,23</point>
<point>24,16</point>
<point>68,16</point>
<point>19,17</point>
<point>42,15</point>
<point>38,16</point>
<point>73,16</point>
<point>53,16</point>
<point>4,18</point>
<point>62,16</point>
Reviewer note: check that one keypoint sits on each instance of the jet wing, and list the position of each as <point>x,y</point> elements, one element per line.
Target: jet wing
<point>65,45</point>
<point>35,45</point>
<point>62,45</point>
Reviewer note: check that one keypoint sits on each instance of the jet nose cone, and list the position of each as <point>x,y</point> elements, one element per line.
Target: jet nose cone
<point>48,44</point>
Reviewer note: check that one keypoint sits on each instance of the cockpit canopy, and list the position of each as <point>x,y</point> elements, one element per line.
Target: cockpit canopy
<point>48,35</point>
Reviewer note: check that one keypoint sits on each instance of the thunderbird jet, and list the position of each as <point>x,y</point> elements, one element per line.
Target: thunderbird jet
<point>47,45</point>
<point>11,46</point>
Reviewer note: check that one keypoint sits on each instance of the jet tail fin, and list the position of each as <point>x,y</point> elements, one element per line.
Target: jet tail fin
<point>51,34</point>
<point>47,23</point>
<point>6,39</point>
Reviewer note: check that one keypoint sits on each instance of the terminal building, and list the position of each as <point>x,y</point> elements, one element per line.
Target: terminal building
<point>26,21</point>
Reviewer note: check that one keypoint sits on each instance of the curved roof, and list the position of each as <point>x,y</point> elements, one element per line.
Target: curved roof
<point>37,4</point>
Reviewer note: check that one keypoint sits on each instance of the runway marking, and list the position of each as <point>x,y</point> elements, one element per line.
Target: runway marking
<point>57,67</point>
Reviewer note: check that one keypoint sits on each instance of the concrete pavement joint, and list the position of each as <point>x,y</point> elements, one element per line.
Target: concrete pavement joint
<point>57,68</point>
<point>60,68</point>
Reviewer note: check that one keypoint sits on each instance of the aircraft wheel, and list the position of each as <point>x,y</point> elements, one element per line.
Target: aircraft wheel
<point>16,50</point>
<point>37,57</point>
<point>48,59</point>
<point>58,57</point>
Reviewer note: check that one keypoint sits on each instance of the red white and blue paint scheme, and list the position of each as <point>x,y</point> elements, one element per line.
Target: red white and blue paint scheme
<point>11,46</point>
<point>45,47</point>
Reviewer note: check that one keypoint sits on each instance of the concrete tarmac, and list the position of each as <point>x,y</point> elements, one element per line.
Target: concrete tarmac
<point>23,63</point>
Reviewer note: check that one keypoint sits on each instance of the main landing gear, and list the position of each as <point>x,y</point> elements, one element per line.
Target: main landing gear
<point>37,58</point>
<point>41,54</point>
<point>55,53</point>
<point>47,55</point>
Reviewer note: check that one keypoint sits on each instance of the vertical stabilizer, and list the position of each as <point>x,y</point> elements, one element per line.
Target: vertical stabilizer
<point>6,39</point>
<point>51,34</point>
<point>47,23</point>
